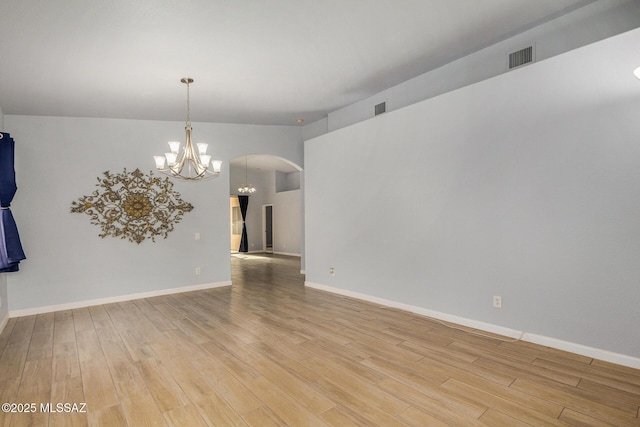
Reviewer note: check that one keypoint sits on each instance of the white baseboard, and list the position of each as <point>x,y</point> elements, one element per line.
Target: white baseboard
<point>595,353</point>
<point>274,253</point>
<point>3,322</point>
<point>263,252</point>
<point>287,254</point>
<point>109,300</point>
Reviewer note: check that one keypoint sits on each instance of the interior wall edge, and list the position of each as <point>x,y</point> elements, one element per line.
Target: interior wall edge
<point>4,321</point>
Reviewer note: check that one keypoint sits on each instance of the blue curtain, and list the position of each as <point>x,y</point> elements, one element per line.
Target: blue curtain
<point>11,252</point>
<point>244,242</point>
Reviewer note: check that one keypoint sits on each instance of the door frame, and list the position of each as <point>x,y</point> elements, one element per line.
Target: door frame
<point>264,227</point>
<point>234,239</point>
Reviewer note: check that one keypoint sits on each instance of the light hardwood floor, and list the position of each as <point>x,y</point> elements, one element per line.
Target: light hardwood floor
<point>268,351</point>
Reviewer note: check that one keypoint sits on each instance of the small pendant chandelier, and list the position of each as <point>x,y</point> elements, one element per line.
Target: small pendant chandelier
<point>247,189</point>
<point>186,165</point>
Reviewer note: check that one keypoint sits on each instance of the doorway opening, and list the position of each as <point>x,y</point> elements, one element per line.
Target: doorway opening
<point>267,228</point>
<point>274,214</point>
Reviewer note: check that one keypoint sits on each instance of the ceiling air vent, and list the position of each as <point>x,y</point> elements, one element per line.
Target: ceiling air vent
<point>521,57</point>
<point>381,108</point>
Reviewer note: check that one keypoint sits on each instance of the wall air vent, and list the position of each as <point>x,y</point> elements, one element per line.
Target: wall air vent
<point>380,108</point>
<point>521,57</point>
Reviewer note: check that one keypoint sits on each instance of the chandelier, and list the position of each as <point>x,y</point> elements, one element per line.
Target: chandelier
<point>185,165</point>
<point>247,189</point>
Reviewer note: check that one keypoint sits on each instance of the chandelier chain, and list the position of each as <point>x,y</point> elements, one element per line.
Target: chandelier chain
<point>188,106</point>
<point>247,189</point>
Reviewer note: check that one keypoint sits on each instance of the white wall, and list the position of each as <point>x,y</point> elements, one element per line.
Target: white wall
<point>287,218</point>
<point>287,181</point>
<point>287,222</point>
<point>58,160</point>
<point>316,128</point>
<point>593,22</point>
<point>525,185</point>
<point>4,308</point>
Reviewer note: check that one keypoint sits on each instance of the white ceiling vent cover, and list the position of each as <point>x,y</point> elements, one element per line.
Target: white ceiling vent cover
<point>521,57</point>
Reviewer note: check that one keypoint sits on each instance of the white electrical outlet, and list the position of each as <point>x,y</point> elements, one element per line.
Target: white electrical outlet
<point>332,271</point>
<point>197,236</point>
<point>497,301</point>
<point>197,271</point>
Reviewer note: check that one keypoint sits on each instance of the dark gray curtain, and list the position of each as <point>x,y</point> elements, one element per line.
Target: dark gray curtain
<point>11,252</point>
<point>244,243</point>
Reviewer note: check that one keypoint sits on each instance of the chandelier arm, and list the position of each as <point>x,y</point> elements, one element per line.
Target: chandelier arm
<point>206,177</point>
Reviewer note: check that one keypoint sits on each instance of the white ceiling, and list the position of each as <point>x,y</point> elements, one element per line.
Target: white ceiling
<point>253,61</point>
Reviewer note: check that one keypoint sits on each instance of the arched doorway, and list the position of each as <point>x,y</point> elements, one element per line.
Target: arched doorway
<point>279,185</point>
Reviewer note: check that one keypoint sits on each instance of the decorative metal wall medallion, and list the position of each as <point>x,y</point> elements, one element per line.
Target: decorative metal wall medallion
<point>133,206</point>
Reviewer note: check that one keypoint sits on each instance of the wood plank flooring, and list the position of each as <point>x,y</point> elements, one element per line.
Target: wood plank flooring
<point>270,352</point>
